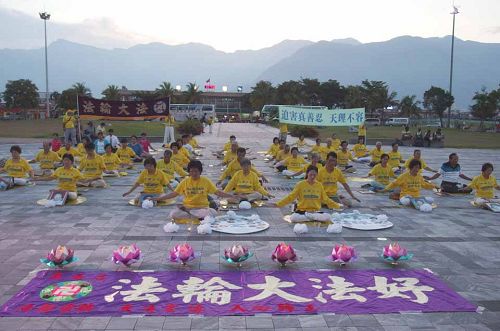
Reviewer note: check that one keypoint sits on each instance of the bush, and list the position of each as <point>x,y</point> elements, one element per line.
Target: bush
<point>190,126</point>
<point>307,131</point>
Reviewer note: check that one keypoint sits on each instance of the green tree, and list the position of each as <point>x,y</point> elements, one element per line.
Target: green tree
<point>311,90</point>
<point>111,92</point>
<point>291,93</point>
<point>145,95</point>
<point>81,89</point>
<point>437,101</point>
<point>263,93</point>
<point>354,97</point>
<point>485,105</point>
<point>165,90</point>
<point>332,94</point>
<point>192,93</point>
<point>67,99</point>
<point>409,106</point>
<point>377,96</point>
<point>21,93</point>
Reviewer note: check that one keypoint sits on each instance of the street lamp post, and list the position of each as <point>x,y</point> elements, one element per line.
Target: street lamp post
<point>454,13</point>
<point>45,17</point>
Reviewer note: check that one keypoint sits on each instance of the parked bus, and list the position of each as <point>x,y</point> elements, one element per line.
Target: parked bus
<point>183,112</point>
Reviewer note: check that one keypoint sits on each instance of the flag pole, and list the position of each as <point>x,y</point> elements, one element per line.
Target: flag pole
<point>78,119</point>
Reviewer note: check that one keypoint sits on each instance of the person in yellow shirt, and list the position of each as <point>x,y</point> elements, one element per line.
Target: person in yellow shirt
<point>410,182</point>
<point>309,194</point>
<point>329,176</point>
<point>485,183</point>
<point>153,181</point>
<point>335,143</point>
<point>273,150</point>
<point>417,155</point>
<point>193,142</point>
<point>362,131</point>
<point>67,177</point>
<point>177,156</point>
<point>231,154</point>
<point>395,158</point>
<point>226,147</point>
<point>68,149</point>
<point>382,173</point>
<point>301,144</point>
<point>245,184</point>
<point>69,122</point>
<point>281,147</point>
<point>291,164</point>
<point>319,149</point>
<point>283,131</point>
<point>314,162</point>
<point>18,168</point>
<point>282,155</point>
<point>182,147</point>
<point>47,160</point>
<point>169,135</point>
<point>126,154</point>
<point>92,167</point>
<point>81,146</point>
<point>361,152</point>
<point>235,166</point>
<point>330,147</point>
<point>343,158</point>
<point>111,161</point>
<point>376,153</point>
<point>171,168</point>
<point>196,190</point>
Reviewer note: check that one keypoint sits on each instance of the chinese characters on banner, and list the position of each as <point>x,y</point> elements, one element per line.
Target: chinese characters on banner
<point>94,293</point>
<point>90,108</point>
<point>321,117</point>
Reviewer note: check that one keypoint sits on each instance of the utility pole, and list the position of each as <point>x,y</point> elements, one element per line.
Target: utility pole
<point>454,13</point>
<point>45,17</point>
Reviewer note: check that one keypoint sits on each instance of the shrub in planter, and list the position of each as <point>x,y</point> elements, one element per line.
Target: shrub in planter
<point>307,131</point>
<point>190,126</point>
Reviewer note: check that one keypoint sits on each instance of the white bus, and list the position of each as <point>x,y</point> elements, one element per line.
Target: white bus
<point>183,112</point>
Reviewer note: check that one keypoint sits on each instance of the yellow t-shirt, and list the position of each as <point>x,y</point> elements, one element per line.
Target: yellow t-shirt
<point>394,159</point>
<point>47,160</point>
<point>194,143</point>
<point>230,156</point>
<point>180,159</point>
<point>67,178</point>
<point>242,184</point>
<point>196,192</point>
<point>169,120</point>
<point>361,130</point>
<point>320,150</point>
<point>343,158</point>
<point>71,151</point>
<point>309,197</point>
<point>170,169</point>
<point>184,151</point>
<point>282,155</point>
<point>69,121</point>
<point>153,183</point>
<point>484,187</point>
<point>81,149</point>
<point>330,179</point>
<point>92,168</point>
<point>294,164</point>
<point>227,146</point>
<point>273,150</point>
<point>125,154</point>
<point>360,150</point>
<point>301,143</point>
<point>18,169</point>
<point>422,162</point>
<point>332,148</point>
<point>376,154</point>
<point>382,175</point>
<point>410,185</point>
<point>233,167</point>
<point>111,161</point>
<point>318,165</point>
<point>335,145</point>
<point>283,128</point>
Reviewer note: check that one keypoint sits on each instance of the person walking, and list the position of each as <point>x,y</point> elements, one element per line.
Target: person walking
<point>69,121</point>
<point>169,136</point>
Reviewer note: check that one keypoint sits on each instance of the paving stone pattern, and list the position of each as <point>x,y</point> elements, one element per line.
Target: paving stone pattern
<point>458,242</point>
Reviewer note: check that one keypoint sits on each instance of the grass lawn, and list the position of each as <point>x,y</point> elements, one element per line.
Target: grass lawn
<point>454,138</point>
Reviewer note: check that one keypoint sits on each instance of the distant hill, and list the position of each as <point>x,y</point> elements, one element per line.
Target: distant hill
<point>410,65</point>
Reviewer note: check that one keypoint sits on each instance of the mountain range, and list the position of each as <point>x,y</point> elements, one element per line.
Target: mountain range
<point>410,65</point>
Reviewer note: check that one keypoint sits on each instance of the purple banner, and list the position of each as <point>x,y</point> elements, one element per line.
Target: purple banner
<point>90,108</point>
<point>96,293</point>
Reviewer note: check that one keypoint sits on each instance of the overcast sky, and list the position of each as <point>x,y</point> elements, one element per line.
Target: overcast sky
<point>230,25</point>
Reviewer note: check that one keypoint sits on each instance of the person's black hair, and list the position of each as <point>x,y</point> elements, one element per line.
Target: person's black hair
<point>245,161</point>
<point>332,154</point>
<point>241,150</point>
<point>86,138</point>
<point>133,136</point>
<point>311,168</point>
<point>151,161</point>
<point>276,138</point>
<point>69,157</point>
<point>282,141</point>
<point>100,132</point>
<point>452,155</point>
<point>55,134</point>
<point>343,142</point>
<point>110,131</point>
<point>487,166</point>
<point>16,148</point>
<point>414,163</point>
<point>294,149</point>
<point>167,151</point>
<point>123,140</point>
<point>384,155</point>
<point>174,145</point>
<point>318,139</point>
<point>416,150</point>
<point>89,146</point>
<point>102,123</point>
<point>195,164</point>
<point>144,134</point>
<point>232,136</point>
<point>107,145</point>
<point>394,143</point>
<point>185,136</point>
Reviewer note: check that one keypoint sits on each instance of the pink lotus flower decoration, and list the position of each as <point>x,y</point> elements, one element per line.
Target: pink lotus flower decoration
<point>394,253</point>
<point>236,254</point>
<point>284,253</point>
<point>126,255</point>
<point>182,253</point>
<point>343,254</point>
<point>60,256</point>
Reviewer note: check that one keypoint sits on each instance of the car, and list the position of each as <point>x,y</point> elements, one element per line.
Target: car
<point>372,121</point>
<point>433,124</point>
<point>397,121</point>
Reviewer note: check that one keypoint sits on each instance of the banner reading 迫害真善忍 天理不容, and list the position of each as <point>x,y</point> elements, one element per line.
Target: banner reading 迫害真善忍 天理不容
<point>321,117</point>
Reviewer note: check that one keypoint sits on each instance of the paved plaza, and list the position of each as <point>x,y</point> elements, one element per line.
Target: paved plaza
<point>459,243</point>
